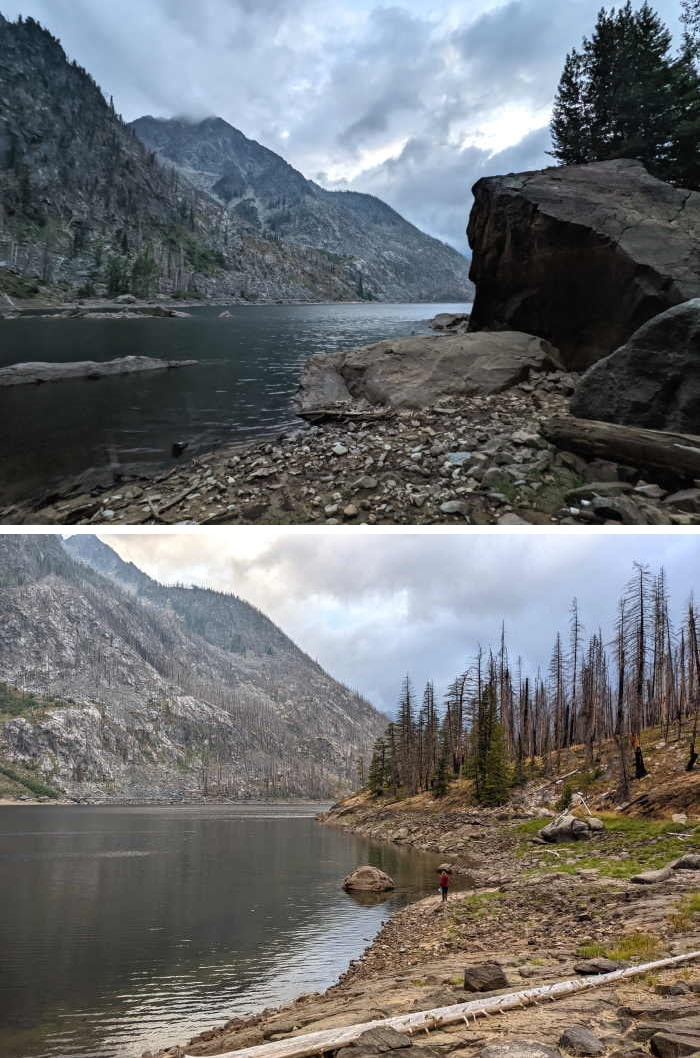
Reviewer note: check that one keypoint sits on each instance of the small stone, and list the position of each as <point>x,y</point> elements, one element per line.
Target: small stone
<point>687,500</point>
<point>579,1040</point>
<point>331,509</point>
<point>458,459</point>
<point>511,519</point>
<point>651,877</point>
<point>675,1045</point>
<point>454,507</point>
<point>689,861</point>
<point>680,818</point>
<point>484,977</point>
<point>339,450</point>
<point>596,966</point>
<point>351,511</point>
<point>652,492</point>
<point>519,1049</point>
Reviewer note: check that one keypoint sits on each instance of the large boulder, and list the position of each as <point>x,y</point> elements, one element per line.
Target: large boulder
<point>416,372</point>
<point>582,255</point>
<point>653,380</point>
<point>368,880</point>
<point>570,828</point>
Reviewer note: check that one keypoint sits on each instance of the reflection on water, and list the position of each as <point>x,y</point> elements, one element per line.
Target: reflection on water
<point>127,929</point>
<point>247,372</point>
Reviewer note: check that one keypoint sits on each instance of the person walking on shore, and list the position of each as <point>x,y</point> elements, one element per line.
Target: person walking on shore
<point>444,885</point>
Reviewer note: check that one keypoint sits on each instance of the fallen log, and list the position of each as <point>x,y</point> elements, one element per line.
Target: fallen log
<point>340,414</point>
<point>311,1043</point>
<point>630,445</point>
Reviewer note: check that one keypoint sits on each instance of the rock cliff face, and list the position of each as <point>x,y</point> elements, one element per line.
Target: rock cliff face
<point>393,259</point>
<point>582,255</point>
<point>173,691</point>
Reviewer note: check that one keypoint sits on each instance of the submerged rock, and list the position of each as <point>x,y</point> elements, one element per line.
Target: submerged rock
<point>582,255</point>
<point>368,880</point>
<point>34,373</point>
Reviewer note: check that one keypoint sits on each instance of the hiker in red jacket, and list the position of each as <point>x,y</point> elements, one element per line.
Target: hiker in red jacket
<point>444,885</point>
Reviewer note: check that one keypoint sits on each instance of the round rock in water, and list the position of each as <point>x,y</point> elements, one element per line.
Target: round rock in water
<point>368,880</point>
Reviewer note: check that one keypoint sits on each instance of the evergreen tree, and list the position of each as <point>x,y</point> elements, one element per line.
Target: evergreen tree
<point>570,129</point>
<point>624,95</point>
<point>377,768</point>
<point>440,775</point>
<point>496,781</point>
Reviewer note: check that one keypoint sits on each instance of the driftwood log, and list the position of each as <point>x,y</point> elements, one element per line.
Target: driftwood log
<point>341,414</point>
<point>657,449</point>
<point>425,1020</point>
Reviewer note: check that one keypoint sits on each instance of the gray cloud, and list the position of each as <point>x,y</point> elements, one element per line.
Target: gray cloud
<point>372,608</point>
<point>402,100</point>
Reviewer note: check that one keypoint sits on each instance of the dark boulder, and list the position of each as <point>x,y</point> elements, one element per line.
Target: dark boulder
<point>653,380</point>
<point>582,255</point>
<point>484,977</point>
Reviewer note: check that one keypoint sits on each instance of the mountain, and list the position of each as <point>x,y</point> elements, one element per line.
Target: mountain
<point>117,687</point>
<point>87,208</point>
<point>261,189</point>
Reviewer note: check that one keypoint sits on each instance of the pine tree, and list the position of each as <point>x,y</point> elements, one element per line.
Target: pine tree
<point>624,96</point>
<point>497,773</point>
<point>570,131</point>
<point>377,768</point>
<point>440,776</point>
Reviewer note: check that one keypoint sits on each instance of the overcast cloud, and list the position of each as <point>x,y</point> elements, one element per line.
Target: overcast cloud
<point>412,101</point>
<point>372,608</point>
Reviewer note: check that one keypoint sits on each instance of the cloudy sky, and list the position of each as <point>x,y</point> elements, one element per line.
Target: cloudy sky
<point>412,101</point>
<point>371,608</point>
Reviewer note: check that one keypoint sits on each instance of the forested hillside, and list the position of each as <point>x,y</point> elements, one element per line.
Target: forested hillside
<point>501,724</point>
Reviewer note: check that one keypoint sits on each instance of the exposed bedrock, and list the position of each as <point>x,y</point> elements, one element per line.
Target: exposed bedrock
<point>582,255</point>
<point>417,372</point>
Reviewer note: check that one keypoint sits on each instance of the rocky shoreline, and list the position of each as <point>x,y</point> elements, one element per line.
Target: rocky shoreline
<point>476,460</point>
<point>522,916</point>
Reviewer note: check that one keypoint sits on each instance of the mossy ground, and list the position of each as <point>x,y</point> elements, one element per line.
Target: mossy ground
<point>627,947</point>
<point>627,846</point>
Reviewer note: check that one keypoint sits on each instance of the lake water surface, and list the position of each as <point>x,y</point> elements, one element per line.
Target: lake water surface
<point>247,372</point>
<point>128,929</point>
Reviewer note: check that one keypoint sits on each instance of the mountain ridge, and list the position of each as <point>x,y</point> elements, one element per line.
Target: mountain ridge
<point>86,208</point>
<point>174,692</point>
<point>264,191</point>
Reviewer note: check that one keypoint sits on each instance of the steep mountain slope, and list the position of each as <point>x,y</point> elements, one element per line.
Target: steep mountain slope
<point>87,208</point>
<point>170,692</point>
<point>260,188</point>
